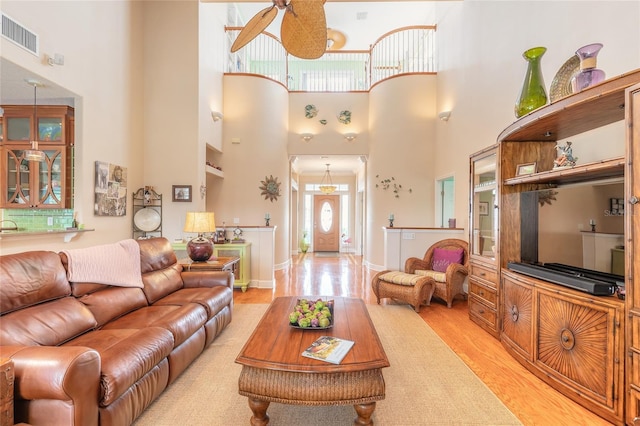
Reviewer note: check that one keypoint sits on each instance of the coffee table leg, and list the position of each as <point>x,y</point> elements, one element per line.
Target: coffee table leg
<point>365,411</point>
<point>259,409</point>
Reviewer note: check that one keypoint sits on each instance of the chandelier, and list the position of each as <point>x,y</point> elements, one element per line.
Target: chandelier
<point>34,154</point>
<point>327,186</point>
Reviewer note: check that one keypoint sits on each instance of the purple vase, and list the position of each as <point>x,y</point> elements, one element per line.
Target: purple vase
<point>588,75</point>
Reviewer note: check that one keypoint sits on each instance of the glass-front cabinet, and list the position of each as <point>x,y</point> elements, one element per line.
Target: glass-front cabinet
<point>32,183</point>
<point>484,273</point>
<point>484,220</point>
<point>36,184</point>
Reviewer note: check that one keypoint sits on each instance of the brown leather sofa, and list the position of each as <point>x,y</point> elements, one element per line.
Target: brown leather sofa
<point>88,354</point>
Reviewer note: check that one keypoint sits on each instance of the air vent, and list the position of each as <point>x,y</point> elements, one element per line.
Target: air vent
<point>18,34</point>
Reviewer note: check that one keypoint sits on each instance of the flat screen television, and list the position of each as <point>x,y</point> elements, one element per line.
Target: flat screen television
<point>578,226</point>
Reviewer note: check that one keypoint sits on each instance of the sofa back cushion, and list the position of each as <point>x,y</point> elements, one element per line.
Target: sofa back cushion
<point>48,324</point>
<point>160,268</point>
<point>30,278</point>
<point>106,302</point>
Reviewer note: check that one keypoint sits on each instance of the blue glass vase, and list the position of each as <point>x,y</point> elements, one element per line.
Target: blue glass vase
<point>533,94</point>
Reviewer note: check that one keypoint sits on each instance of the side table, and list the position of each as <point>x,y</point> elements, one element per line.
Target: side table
<point>6,392</point>
<point>214,264</point>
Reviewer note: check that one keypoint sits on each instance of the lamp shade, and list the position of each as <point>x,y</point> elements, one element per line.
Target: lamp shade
<point>200,222</point>
<point>200,249</point>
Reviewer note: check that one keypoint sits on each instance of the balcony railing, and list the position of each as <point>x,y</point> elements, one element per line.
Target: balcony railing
<point>409,50</point>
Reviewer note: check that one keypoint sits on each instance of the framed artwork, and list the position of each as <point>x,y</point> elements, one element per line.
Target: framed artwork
<point>526,168</point>
<point>483,208</point>
<point>617,207</point>
<point>181,193</point>
<point>110,190</point>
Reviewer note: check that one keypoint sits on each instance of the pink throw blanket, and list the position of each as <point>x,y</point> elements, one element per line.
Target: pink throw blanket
<point>113,264</point>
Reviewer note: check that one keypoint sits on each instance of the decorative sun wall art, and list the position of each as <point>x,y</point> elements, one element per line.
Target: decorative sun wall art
<point>270,188</point>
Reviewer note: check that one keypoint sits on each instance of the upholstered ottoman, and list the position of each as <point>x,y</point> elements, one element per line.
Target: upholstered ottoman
<point>415,290</point>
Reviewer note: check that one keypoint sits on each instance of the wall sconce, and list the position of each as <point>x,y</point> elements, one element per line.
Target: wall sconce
<point>57,59</point>
<point>306,137</point>
<point>350,136</point>
<point>216,116</point>
<point>444,115</point>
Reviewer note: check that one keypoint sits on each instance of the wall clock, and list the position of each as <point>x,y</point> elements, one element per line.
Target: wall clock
<point>270,188</point>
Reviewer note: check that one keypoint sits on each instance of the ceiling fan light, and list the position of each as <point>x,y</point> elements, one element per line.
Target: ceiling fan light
<point>335,39</point>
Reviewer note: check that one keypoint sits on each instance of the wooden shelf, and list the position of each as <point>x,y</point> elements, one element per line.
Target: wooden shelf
<point>594,107</point>
<point>604,169</point>
<point>215,172</point>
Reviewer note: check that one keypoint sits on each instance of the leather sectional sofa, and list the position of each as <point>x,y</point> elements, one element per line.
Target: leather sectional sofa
<point>88,354</point>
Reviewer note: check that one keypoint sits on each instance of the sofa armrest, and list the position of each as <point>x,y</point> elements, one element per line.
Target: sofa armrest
<point>207,278</point>
<point>413,263</point>
<point>63,380</point>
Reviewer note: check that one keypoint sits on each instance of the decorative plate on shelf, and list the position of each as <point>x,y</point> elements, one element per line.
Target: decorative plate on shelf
<point>561,84</point>
<point>147,219</point>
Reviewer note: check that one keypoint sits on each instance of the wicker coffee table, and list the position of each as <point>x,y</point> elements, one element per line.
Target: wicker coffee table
<point>273,369</point>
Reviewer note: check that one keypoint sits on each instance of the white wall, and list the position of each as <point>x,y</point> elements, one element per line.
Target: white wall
<point>102,45</point>
<point>255,115</point>
<point>402,138</point>
<point>142,103</point>
<point>481,69</point>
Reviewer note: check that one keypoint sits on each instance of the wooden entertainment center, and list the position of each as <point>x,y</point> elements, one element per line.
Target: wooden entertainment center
<point>585,346</point>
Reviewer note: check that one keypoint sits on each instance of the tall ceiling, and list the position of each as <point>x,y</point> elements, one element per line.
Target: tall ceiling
<point>361,22</point>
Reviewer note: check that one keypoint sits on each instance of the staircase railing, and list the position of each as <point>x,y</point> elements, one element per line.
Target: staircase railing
<point>408,50</point>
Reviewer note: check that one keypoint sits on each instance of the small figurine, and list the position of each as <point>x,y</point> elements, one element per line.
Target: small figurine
<point>565,156</point>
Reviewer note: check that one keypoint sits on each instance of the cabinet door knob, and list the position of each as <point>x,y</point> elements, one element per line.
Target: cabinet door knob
<point>633,200</point>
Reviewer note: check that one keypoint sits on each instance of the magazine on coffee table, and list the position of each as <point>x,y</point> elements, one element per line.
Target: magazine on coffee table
<point>329,349</point>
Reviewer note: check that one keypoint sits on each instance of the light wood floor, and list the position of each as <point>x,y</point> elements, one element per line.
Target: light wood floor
<point>531,400</point>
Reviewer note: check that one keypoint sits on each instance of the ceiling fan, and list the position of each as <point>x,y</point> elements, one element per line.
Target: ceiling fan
<point>303,32</point>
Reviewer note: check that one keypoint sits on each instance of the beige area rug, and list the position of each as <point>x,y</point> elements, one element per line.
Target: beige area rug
<point>427,384</point>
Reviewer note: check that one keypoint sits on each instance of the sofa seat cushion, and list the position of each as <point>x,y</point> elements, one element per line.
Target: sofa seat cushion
<point>213,299</point>
<point>109,303</point>
<point>440,277</point>
<point>182,321</point>
<point>126,355</point>
<point>47,324</point>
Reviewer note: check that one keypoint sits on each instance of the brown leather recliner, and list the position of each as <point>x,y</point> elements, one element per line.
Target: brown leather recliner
<point>89,354</point>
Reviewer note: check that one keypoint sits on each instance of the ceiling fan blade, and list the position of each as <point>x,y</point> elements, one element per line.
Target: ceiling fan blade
<point>255,26</point>
<point>304,29</point>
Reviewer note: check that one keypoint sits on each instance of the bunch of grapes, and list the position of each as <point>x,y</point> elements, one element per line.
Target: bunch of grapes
<point>311,314</point>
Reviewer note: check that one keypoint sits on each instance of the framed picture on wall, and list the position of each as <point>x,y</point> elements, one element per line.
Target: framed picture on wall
<point>483,208</point>
<point>181,193</point>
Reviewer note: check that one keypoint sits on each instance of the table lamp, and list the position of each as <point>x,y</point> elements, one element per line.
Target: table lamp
<point>200,248</point>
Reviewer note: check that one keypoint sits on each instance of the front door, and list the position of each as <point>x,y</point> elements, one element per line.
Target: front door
<point>326,214</point>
